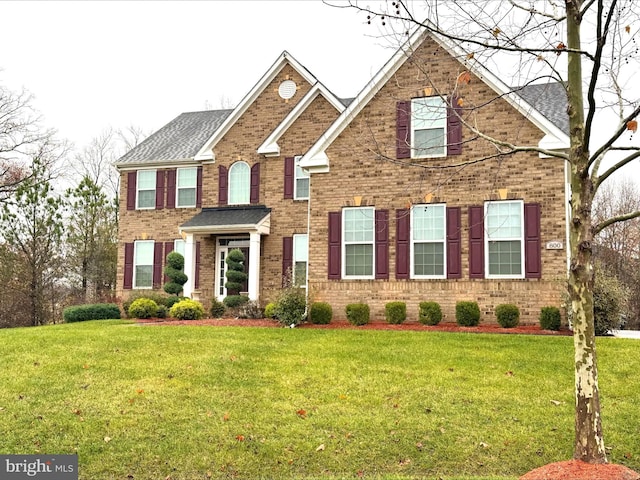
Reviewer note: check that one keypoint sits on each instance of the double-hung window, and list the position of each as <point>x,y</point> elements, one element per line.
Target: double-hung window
<point>178,246</point>
<point>239,183</point>
<point>301,181</point>
<point>358,227</point>
<point>428,127</point>
<point>186,187</point>
<point>504,237</point>
<point>146,189</point>
<point>428,236</point>
<point>143,264</point>
<point>300,259</point>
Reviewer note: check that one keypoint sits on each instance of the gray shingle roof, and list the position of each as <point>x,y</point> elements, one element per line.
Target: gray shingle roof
<point>228,216</point>
<point>550,99</point>
<point>179,139</point>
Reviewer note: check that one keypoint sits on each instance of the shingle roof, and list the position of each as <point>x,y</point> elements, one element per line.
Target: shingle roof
<point>228,216</point>
<point>180,139</point>
<point>550,99</point>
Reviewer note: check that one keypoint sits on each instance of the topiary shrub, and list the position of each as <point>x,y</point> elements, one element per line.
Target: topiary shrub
<point>508,315</point>
<point>143,308</point>
<point>235,272</point>
<point>270,310</point>
<point>217,308</point>
<point>467,314</point>
<point>320,313</point>
<point>174,270</point>
<point>187,309</point>
<point>291,306</point>
<point>170,301</point>
<point>550,318</point>
<point>395,312</point>
<point>234,301</point>
<point>357,313</point>
<point>429,313</point>
<point>96,311</point>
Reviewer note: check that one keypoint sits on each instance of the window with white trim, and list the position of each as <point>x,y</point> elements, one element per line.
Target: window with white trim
<point>358,236</point>
<point>301,183</point>
<point>239,183</point>
<point>186,185</point>
<point>504,239</point>
<point>146,189</point>
<point>143,263</point>
<point>428,237</point>
<point>178,246</point>
<point>300,259</point>
<point>428,127</point>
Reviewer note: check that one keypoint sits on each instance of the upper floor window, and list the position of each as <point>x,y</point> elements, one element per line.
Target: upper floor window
<point>428,127</point>
<point>146,189</point>
<point>358,239</point>
<point>186,187</point>
<point>428,237</point>
<point>143,264</point>
<point>301,181</point>
<point>504,237</point>
<point>239,184</point>
<point>300,259</point>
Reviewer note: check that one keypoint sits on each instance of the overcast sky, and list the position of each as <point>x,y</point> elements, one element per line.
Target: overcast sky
<point>92,64</point>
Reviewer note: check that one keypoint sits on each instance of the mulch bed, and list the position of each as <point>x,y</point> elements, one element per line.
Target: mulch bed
<point>577,470</point>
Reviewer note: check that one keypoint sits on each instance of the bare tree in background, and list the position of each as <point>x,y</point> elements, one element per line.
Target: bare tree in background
<point>536,41</point>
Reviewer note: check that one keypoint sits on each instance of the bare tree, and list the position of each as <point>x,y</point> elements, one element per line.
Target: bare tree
<point>532,41</point>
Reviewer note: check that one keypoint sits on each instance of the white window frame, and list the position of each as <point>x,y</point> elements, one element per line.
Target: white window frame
<point>179,246</point>
<point>136,246</point>
<point>442,241</point>
<point>440,123</point>
<point>300,174</point>
<point>488,239</point>
<point>138,189</point>
<point>370,214</point>
<point>193,187</point>
<point>232,187</point>
<point>300,255</point>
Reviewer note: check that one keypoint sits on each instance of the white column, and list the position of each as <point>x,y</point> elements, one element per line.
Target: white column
<point>189,264</point>
<point>254,266</point>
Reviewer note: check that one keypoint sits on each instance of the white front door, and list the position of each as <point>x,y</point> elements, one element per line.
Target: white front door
<point>225,245</point>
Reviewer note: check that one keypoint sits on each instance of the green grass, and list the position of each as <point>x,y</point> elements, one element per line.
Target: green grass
<point>199,402</point>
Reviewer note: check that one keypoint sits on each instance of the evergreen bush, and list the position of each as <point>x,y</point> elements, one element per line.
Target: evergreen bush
<point>550,318</point>
<point>96,311</point>
<point>357,313</point>
<point>291,306</point>
<point>467,314</point>
<point>143,308</point>
<point>395,312</point>
<point>174,270</point>
<point>187,309</point>
<point>234,301</point>
<point>217,308</point>
<point>508,315</point>
<point>320,313</point>
<point>235,272</point>
<point>270,310</point>
<point>429,313</point>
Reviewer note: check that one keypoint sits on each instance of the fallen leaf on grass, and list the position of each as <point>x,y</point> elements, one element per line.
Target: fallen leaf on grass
<point>509,373</point>
<point>107,439</point>
<point>302,413</point>
<point>140,391</point>
<point>556,402</point>
<point>320,448</point>
<point>484,445</point>
<point>225,417</point>
<point>240,438</point>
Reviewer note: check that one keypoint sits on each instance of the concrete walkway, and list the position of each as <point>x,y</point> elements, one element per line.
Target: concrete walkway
<point>627,334</point>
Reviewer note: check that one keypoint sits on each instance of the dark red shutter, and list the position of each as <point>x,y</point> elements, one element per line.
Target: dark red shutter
<point>454,243</point>
<point>403,129</point>
<point>289,171</point>
<point>254,196</point>
<point>476,242</point>
<point>403,227</point>
<point>382,244</point>
<point>128,266</point>
<point>454,128</point>
<point>334,263</point>
<point>196,280</point>
<point>160,174</point>
<point>223,185</point>
<point>157,264</point>
<point>199,188</point>
<point>171,188</point>
<point>168,248</point>
<point>132,178</point>
<point>532,243</point>
<point>287,259</point>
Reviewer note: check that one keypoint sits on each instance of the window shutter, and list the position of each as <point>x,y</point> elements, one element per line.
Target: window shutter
<point>157,264</point>
<point>287,258</point>
<point>171,188</point>
<point>532,243</point>
<point>403,129</point>
<point>223,185</point>
<point>168,248</point>
<point>196,280</point>
<point>382,244</point>
<point>128,266</point>
<point>454,128</point>
<point>335,246</point>
<point>160,174</point>
<point>289,171</point>
<point>199,188</point>
<point>254,196</point>
<point>476,241</point>
<point>454,246</point>
<point>403,227</point>
<point>132,178</point>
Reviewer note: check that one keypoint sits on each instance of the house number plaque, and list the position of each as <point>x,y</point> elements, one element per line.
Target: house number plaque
<point>554,245</point>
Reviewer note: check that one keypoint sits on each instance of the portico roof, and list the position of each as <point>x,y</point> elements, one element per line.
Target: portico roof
<point>229,220</point>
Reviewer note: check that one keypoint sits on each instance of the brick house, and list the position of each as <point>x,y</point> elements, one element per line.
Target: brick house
<point>382,197</point>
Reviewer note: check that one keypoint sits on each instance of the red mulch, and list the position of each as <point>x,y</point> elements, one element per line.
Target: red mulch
<point>375,325</point>
<point>578,470</point>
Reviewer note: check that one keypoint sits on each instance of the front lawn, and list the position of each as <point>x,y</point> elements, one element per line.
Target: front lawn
<point>160,402</point>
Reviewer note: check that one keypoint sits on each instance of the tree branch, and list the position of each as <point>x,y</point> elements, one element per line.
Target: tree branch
<point>610,221</point>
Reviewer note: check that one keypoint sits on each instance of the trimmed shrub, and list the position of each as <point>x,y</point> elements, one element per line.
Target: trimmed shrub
<point>235,272</point>
<point>467,314</point>
<point>357,313</point>
<point>217,308</point>
<point>143,308</point>
<point>270,310</point>
<point>174,270</point>
<point>395,312</point>
<point>429,313</point>
<point>291,306</point>
<point>250,309</point>
<point>96,311</point>
<point>159,298</point>
<point>550,318</point>
<point>234,301</point>
<point>171,300</point>
<point>163,311</point>
<point>320,313</point>
<point>508,315</point>
<point>187,310</point>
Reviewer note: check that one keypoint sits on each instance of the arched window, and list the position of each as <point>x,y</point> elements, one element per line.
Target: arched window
<point>239,183</point>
